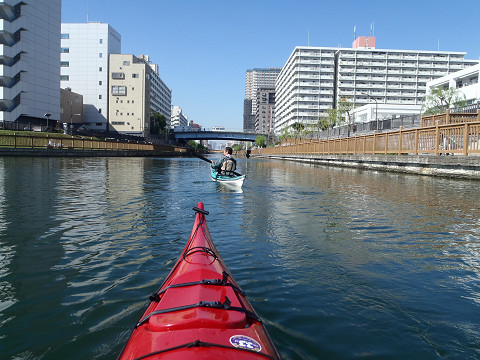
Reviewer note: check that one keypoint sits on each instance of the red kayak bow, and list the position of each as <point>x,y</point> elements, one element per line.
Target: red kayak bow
<point>199,312</point>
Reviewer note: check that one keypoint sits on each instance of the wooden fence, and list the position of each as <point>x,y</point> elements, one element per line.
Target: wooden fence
<point>18,140</point>
<point>462,139</point>
<point>450,118</point>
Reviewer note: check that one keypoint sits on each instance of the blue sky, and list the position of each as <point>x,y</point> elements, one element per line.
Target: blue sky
<point>204,47</point>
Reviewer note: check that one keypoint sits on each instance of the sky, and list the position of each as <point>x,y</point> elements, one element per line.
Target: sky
<point>204,47</point>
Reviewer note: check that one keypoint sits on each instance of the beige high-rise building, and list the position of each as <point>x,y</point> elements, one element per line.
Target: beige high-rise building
<point>129,98</point>
<point>265,115</point>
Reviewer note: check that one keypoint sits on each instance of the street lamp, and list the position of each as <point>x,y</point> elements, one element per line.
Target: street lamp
<point>376,107</point>
<point>47,115</point>
<point>71,116</point>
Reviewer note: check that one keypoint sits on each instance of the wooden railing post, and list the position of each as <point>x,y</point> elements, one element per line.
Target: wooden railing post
<point>374,141</point>
<point>416,142</point>
<point>465,139</point>
<point>447,117</point>
<point>437,138</point>
<point>400,140</point>
<point>386,143</point>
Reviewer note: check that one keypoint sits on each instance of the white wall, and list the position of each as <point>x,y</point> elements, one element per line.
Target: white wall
<point>39,87</point>
<point>89,48</point>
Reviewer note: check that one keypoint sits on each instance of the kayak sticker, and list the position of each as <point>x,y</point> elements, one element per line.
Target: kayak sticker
<point>244,342</point>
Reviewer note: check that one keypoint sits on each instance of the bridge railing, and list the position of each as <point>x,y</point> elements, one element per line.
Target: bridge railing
<point>461,139</point>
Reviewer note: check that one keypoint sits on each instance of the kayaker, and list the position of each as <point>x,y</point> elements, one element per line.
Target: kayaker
<point>227,164</point>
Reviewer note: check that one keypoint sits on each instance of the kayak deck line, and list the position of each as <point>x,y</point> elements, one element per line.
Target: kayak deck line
<point>206,304</point>
<point>199,312</point>
<point>199,343</point>
<point>218,282</point>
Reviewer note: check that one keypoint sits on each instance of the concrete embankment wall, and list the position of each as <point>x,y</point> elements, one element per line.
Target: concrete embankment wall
<point>87,153</point>
<point>463,167</point>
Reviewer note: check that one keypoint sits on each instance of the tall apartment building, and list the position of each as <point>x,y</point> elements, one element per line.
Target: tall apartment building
<point>314,79</point>
<point>255,79</point>
<point>466,81</point>
<point>29,60</point>
<point>265,116</point>
<point>178,117</point>
<point>305,88</point>
<point>160,93</point>
<point>85,49</point>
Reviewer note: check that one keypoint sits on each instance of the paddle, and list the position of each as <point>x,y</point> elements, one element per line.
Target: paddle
<point>210,161</point>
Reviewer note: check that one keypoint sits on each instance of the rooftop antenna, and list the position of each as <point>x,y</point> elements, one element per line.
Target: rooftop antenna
<point>355,33</point>
<point>87,11</point>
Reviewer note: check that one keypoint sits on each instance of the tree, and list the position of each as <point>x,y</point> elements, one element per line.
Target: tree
<point>344,109</point>
<point>195,145</point>
<point>158,122</point>
<point>261,141</point>
<point>330,120</point>
<point>440,100</point>
<point>237,147</point>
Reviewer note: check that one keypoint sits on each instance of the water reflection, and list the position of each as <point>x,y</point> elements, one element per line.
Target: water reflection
<point>340,262</point>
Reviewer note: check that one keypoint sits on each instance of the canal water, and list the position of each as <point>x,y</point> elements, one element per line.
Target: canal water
<point>340,263</point>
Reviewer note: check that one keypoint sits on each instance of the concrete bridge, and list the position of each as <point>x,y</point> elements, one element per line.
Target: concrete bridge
<point>214,135</point>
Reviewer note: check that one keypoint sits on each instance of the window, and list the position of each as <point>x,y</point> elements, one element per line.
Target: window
<point>65,36</point>
<point>119,90</point>
<point>126,63</point>
<point>100,111</point>
<point>100,69</point>
<point>100,55</point>
<point>64,64</point>
<point>99,96</point>
<point>118,122</point>
<point>118,75</point>
<point>65,51</point>
<point>134,75</point>
<point>100,82</point>
<point>100,41</point>
<point>64,78</point>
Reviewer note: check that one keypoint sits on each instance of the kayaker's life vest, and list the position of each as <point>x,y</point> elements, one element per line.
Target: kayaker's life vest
<point>229,166</point>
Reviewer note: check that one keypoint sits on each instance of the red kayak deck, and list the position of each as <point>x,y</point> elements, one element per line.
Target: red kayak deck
<point>199,311</point>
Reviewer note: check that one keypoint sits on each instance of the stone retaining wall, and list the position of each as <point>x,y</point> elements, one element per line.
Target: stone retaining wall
<point>464,167</point>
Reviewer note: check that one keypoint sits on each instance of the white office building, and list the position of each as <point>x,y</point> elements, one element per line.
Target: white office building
<point>178,117</point>
<point>29,60</point>
<point>466,81</point>
<point>314,79</point>
<point>160,93</point>
<point>85,49</point>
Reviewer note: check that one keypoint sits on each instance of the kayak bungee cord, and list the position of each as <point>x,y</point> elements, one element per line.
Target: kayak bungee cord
<point>206,304</point>
<point>217,282</point>
<point>198,343</point>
